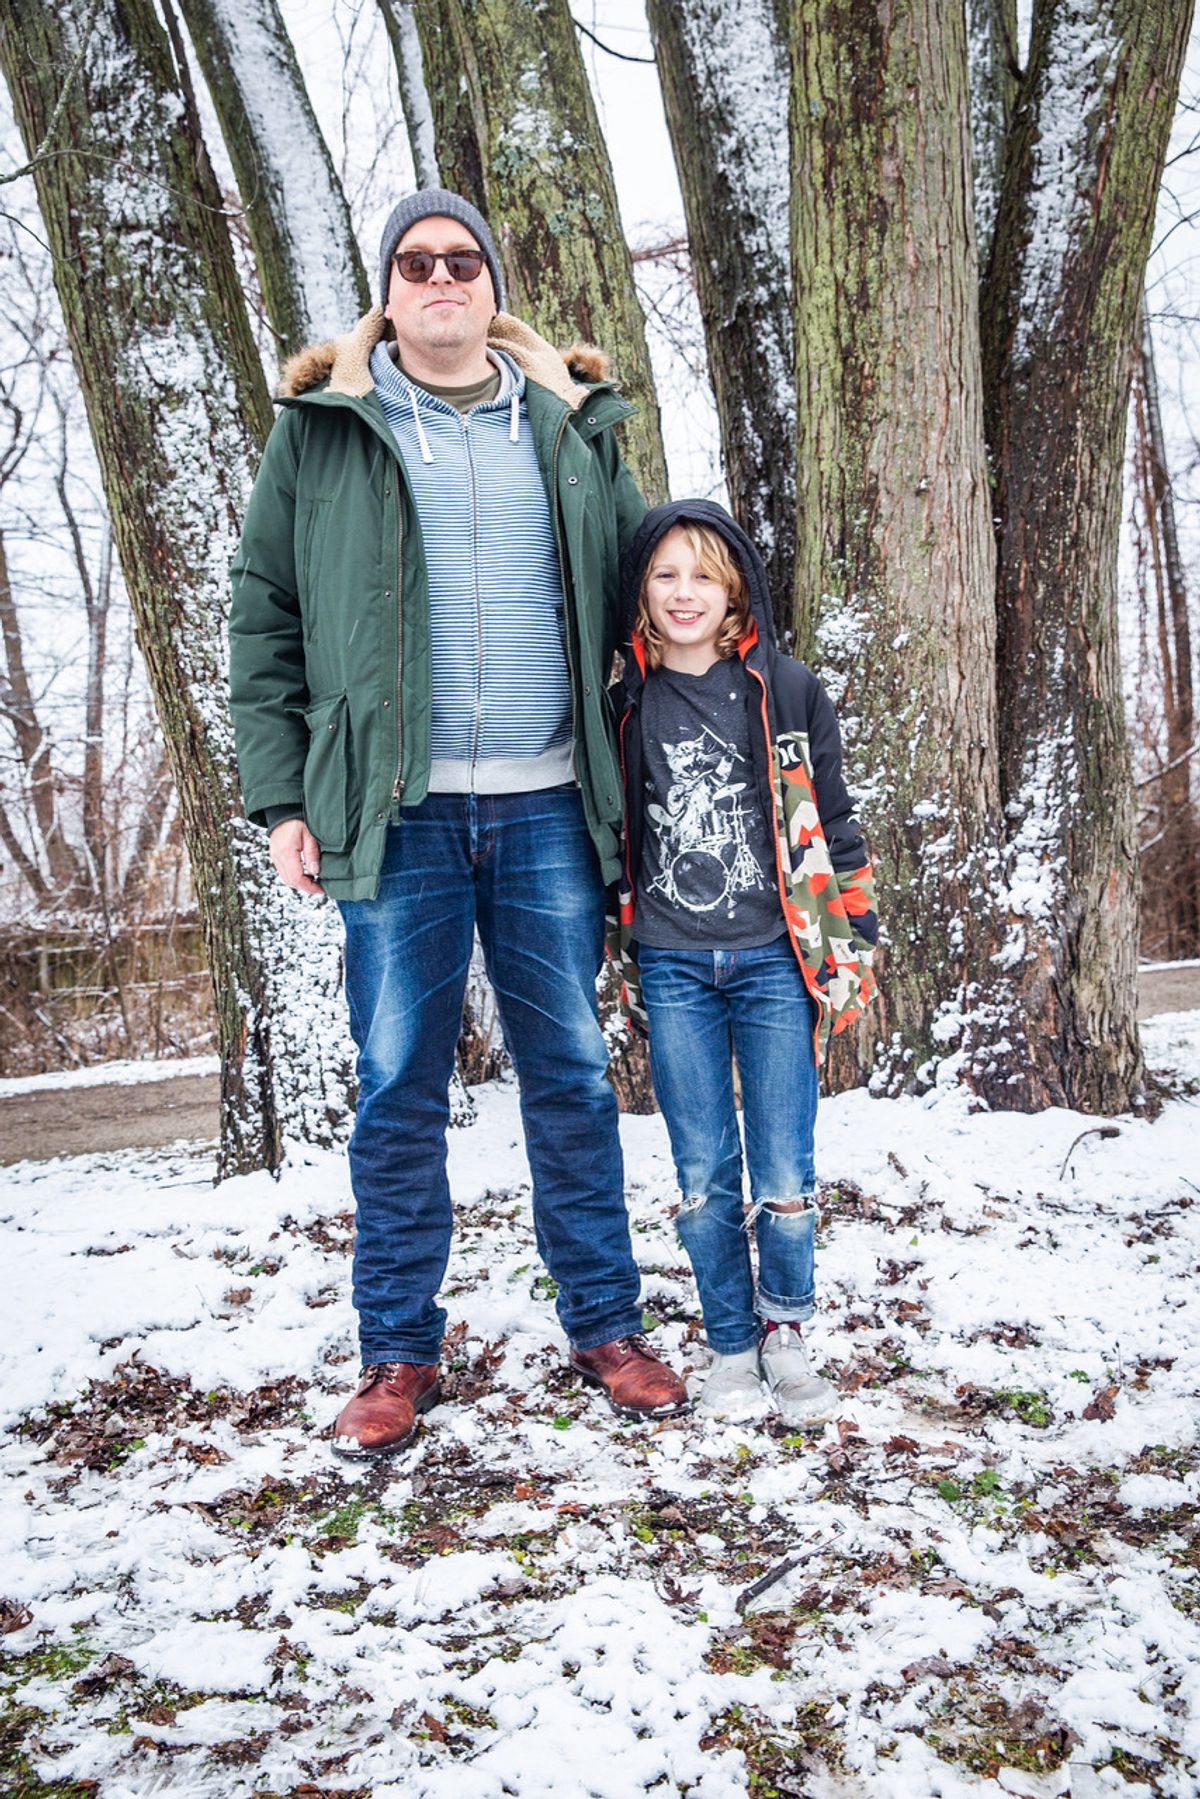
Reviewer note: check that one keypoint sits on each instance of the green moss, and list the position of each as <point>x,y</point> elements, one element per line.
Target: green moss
<point>53,1661</point>
<point>473,1716</point>
<point>348,1519</point>
<point>1032,1408</point>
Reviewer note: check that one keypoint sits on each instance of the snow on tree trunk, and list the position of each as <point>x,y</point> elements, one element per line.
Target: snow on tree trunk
<point>895,559</point>
<point>993,69</point>
<point>178,412</point>
<point>517,133</point>
<point>296,214</point>
<point>405,40</point>
<point>1073,231</point>
<point>724,72</point>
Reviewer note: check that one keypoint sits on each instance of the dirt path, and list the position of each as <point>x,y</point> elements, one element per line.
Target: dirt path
<point>73,1121</point>
<point>1168,990</point>
<point>76,1121</point>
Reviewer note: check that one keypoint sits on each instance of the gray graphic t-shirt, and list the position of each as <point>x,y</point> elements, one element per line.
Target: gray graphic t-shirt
<point>707,877</point>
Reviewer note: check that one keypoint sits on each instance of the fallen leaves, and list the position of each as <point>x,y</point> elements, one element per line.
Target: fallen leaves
<point>1103,1405</point>
<point>113,1417</point>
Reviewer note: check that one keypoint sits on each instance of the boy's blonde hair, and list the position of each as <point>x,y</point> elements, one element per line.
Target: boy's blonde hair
<point>715,558</point>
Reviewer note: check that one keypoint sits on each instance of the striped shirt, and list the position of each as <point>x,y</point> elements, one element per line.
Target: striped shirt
<point>502,715</point>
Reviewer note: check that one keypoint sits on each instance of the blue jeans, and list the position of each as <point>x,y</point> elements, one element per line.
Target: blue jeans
<point>705,1007</point>
<point>522,868</point>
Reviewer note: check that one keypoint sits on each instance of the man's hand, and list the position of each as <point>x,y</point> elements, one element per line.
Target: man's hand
<point>297,856</point>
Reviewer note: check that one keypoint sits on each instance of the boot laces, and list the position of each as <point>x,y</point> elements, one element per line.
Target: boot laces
<point>380,1371</point>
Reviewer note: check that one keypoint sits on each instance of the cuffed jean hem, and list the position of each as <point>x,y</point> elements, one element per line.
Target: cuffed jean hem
<point>598,1334</point>
<point>774,1309</point>
<point>422,1354</point>
<point>738,1348</point>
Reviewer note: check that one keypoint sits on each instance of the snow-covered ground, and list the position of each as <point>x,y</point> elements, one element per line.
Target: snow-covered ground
<point>111,1074</point>
<point>985,1569</point>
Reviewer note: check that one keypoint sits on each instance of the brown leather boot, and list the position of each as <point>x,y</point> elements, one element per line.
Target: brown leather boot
<point>637,1383</point>
<point>382,1416</point>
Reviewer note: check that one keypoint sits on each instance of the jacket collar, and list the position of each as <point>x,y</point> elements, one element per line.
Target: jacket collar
<point>344,363</point>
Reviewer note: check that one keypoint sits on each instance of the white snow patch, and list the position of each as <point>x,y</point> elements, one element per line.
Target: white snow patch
<point>536,1596</point>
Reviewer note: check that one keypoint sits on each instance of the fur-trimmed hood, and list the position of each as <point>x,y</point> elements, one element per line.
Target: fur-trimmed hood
<point>346,360</point>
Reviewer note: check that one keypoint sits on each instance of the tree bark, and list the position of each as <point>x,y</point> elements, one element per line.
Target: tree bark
<point>994,71</point>
<point>1085,160</point>
<point>97,596</point>
<point>178,411</point>
<point>1174,854</point>
<point>724,74</point>
<point>895,560</point>
<point>65,880</point>
<point>311,273</point>
<point>403,36</point>
<point>517,134</point>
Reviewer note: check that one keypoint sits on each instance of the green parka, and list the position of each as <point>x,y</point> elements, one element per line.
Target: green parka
<point>329,625</point>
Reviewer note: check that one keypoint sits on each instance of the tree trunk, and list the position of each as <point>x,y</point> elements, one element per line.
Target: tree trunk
<point>724,74</point>
<point>401,28</point>
<point>1085,160</point>
<point>312,275</point>
<point>97,595</point>
<point>895,557</point>
<point>178,411</point>
<point>1171,864</point>
<point>65,879</point>
<point>517,133</point>
<point>994,70</point>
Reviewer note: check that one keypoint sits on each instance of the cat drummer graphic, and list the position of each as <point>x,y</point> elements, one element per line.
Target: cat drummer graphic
<point>706,858</point>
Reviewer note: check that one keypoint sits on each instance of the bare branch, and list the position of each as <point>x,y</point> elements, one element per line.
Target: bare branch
<point>621,55</point>
<point>43,148</point>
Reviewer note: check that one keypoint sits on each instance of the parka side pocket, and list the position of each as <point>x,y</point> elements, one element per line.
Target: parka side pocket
<point>327,772</point>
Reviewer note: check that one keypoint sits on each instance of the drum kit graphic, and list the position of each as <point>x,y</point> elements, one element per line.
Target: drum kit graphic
<point>705,852</point>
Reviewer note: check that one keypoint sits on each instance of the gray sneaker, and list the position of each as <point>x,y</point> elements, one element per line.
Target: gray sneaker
<point>732,1387</point>
<point>800,1396</point>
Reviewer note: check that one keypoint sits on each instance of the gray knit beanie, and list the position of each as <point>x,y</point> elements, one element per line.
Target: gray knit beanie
<point>436,202</point>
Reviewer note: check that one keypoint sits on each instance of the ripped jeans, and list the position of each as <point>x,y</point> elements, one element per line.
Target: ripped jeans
<point>704,1007</point>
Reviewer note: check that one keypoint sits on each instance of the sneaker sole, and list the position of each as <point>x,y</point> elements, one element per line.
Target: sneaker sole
<point>675,1409</point>
<point>820,1413</point>
<point>426,1403</point>
<point>734,1414</point>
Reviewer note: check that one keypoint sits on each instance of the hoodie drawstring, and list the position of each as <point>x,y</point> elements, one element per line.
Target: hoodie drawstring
<point>426,452</point>
<point>514,417</point>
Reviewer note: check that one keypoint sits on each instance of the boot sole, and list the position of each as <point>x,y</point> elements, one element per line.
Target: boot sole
<point>426,1403</point>
<point>675,1408</point>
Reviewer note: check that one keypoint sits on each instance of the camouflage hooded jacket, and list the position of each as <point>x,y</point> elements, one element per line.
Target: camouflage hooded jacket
<point>826,889</point>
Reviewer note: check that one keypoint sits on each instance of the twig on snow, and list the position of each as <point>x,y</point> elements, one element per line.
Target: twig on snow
<point>1095,1130</point>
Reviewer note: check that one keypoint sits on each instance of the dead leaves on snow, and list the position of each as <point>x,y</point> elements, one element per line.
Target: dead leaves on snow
<point>114,1417</point>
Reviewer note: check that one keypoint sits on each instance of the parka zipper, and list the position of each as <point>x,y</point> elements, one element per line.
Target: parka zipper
<point>562,569</point>
<point>398,783</point>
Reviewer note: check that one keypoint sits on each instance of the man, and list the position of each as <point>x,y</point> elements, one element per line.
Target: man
<point>425,605</point>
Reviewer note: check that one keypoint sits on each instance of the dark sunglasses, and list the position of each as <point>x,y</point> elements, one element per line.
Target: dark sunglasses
<point>418,265</point>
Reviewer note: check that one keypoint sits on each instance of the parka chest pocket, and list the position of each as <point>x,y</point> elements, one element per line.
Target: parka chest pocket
<point>327,772</point>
